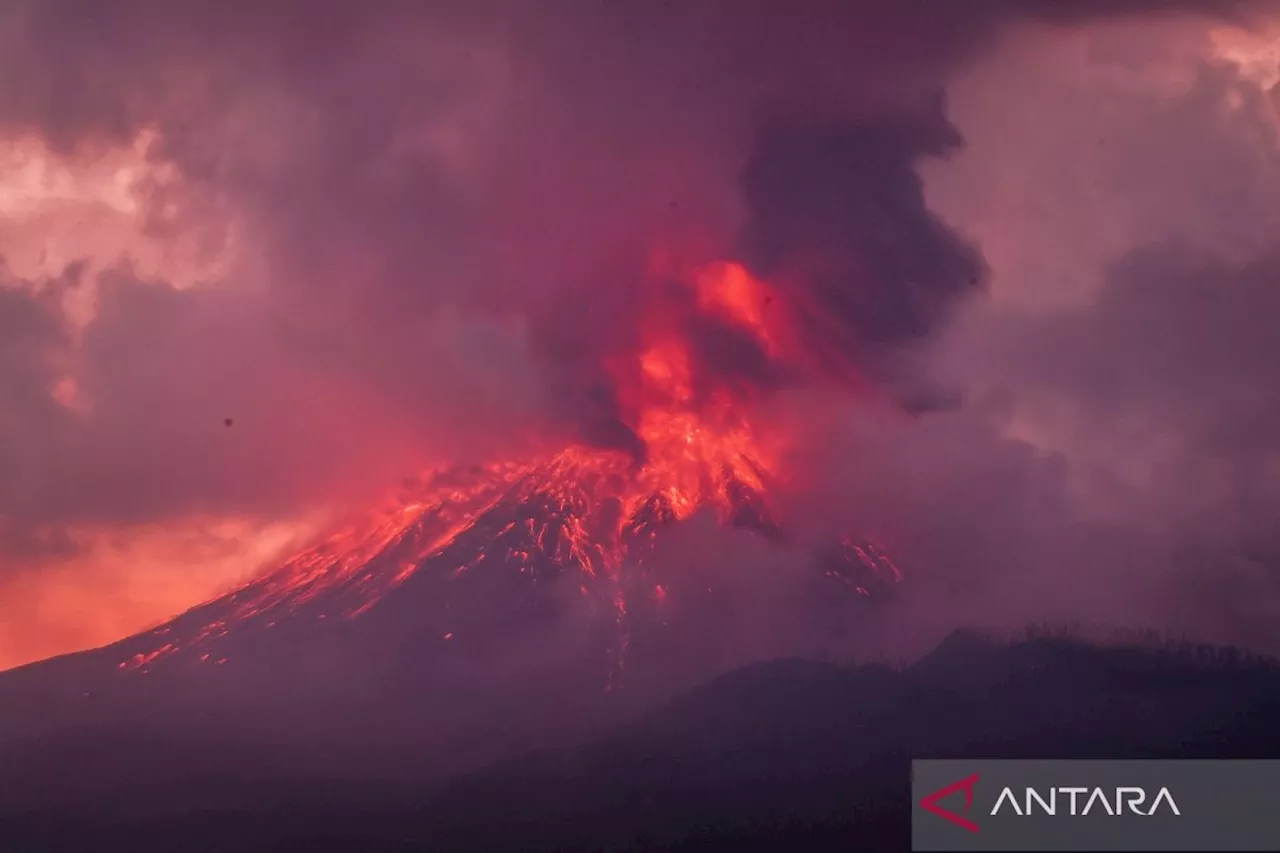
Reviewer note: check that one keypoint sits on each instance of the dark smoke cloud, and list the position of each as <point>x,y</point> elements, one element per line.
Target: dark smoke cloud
<point>837,214</point>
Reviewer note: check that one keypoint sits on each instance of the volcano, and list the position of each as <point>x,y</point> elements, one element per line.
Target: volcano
<point>465,557</point>
<point>471,555</point>
<point>494,607</point>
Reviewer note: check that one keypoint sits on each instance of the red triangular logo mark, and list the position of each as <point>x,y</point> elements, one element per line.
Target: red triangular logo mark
<point>930,803</point>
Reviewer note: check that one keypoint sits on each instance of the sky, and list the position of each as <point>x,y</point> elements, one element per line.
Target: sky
<point>263,260</point>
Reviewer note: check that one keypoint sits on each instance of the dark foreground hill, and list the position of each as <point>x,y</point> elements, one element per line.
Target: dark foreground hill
<point>789,755</point>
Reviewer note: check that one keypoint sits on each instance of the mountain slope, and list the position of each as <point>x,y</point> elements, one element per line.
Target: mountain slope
<point>790,754</point>
<point>795,751</point>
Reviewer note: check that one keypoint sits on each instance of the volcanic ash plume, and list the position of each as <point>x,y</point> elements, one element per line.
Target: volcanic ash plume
<point>462,553</point>
<point>668,379</point>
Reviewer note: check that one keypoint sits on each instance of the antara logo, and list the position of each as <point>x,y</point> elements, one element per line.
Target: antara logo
<point>1113,801</point>
<point>930,803</point>
<point>1071,801</point>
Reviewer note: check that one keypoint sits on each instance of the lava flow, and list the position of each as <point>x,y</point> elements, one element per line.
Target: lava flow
<point>585,516</point>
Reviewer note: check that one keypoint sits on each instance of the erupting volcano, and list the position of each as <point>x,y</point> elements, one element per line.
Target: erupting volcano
<point>463,549</point>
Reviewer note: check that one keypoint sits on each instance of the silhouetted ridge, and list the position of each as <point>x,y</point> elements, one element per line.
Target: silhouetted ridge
<point>797,749</point>
<point>790,754</point>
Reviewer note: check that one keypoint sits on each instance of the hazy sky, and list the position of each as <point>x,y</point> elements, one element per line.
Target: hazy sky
<point>385,235</point>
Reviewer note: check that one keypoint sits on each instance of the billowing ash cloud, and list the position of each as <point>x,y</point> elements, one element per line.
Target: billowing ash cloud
<point>837,216</point>
<point>838,227</point>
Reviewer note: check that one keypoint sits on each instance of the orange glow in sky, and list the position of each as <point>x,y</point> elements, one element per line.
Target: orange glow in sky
<point>123,581</point>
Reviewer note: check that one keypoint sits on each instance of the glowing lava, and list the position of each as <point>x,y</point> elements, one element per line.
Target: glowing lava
<point>585,514</point>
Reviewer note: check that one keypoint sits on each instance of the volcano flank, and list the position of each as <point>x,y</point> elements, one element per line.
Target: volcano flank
<point>530,594</point>
<point>498,546</point>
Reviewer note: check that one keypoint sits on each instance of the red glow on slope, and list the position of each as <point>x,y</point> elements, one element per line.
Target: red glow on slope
<point>584,510</point>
